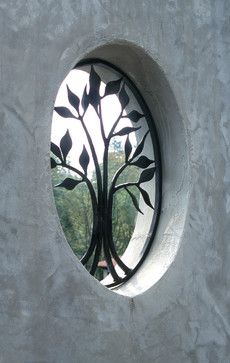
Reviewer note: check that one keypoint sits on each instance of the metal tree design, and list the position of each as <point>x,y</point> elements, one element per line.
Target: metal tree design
<point>102,195</point>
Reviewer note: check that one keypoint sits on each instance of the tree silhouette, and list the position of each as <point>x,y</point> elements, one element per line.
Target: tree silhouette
<point>103,191</point>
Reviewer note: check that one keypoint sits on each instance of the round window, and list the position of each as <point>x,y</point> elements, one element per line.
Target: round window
<point>106,170</point>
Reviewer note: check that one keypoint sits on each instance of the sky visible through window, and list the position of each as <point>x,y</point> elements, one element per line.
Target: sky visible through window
<point>76,80</point>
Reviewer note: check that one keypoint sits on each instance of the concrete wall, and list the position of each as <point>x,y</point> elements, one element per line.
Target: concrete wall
<point>51,310</point>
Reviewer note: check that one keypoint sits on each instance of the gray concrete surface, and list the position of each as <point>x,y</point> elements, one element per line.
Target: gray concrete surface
<point>51,310</point>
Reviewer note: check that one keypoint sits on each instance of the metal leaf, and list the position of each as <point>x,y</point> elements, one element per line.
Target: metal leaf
<point>126,131</point>
<point>66,144</point>
<point>94,87</point>
<point>73,99</point>
<point>128,149</point>
<point>94,79</point>
<point>56,151</point>
<point>123,97</point>
<point>53,163</point>
<point>69,183</point>
<point>64,112</point>
<point>140,146</point>
<point>94,99</point>
<point>145,196</point>
<point>143,162</point>
<point>113,87</point>
<point>134,200</point>
<point>85,100</point>
<point>134,116</point>
<point>146,175</point>
<point>84,159</point>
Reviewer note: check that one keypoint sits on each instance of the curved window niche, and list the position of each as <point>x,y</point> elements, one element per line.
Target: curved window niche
<point>149,246</point>
<point>106,170</point>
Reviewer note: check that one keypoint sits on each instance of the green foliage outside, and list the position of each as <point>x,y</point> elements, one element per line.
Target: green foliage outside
<point>124,213</point>
<point>75,210</point>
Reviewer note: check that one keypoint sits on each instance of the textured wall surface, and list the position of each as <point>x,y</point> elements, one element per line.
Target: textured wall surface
<point>51,310</point>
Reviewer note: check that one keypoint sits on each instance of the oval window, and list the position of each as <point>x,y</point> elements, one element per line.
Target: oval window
<point>106,170</point>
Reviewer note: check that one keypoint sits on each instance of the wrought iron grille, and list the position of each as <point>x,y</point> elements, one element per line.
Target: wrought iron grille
<point>103,191</point>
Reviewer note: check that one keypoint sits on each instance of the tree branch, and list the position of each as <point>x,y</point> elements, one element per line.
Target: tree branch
<point>124,185</point>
